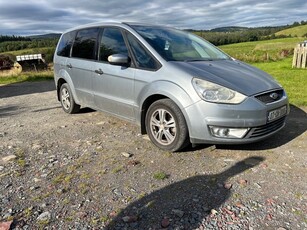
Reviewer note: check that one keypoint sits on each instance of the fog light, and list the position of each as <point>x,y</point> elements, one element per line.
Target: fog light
<point>228,132</point>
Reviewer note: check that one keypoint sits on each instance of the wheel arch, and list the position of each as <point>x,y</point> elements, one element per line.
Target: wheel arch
<point>151,99</point>
<point>164,90</point>
<point>60,82</point>
<point>64,77</point>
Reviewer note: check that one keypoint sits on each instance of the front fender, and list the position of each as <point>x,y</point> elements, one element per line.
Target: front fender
<point>164,89</point>
<point>167,89</point>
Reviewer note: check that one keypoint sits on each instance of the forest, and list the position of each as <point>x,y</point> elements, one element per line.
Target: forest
<point>25,43</point>
<point>231,35</point>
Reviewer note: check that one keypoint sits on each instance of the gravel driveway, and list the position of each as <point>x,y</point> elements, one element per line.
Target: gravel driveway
<point>93,171</point>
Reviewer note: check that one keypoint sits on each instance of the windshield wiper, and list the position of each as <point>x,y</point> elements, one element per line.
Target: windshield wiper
<point>204,59</point>
<point>199,59</point>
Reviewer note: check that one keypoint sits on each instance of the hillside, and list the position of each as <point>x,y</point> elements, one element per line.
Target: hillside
<point>229,29</point>
<point>46,36</point>
<point>299,31</point>
<point>262,51</point>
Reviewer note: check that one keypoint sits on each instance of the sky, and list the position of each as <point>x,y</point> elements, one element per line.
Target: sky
<point>32,17</point>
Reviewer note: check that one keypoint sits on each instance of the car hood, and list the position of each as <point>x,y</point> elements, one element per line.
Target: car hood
<point>232,74</point>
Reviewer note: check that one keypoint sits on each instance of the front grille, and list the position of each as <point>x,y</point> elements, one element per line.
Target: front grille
<point>266,98</point>
<point>267,128</point>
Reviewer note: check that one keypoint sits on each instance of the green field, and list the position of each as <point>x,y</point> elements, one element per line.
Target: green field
<point>293,80</point>
<point>299,31</point>
<point>27,76</point>
<point>262,51</point>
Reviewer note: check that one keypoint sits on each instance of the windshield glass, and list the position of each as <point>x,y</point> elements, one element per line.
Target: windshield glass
<point>176,45</point>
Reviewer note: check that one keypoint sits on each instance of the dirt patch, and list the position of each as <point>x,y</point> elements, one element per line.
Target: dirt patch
<point>93,171</point>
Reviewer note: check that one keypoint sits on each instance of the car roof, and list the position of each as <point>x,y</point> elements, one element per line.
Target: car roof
<point>112,23</point>
<point>105,23</point>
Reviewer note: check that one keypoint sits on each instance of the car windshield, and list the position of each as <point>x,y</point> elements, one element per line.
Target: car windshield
<point>176,45</point>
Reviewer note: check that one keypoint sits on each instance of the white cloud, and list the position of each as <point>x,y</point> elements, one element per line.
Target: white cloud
<point>44,16</point>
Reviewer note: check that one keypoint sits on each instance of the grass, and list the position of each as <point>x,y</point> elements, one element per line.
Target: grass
<point>160,176</point>
<point>104,219</point>
<point>41,197</point>
<point>262,51</point>
<point>20,158</point>
<point>117,169</point>
<point>293,80</point>
<point>299,31</point>
<point>28,212</point>
<point>62,178</point>
<point>83,188</point>
<point>27,76</point>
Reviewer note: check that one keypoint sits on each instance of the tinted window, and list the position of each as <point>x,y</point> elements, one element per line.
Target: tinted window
<point>85,43</point>
<point>112,42</point>
<point>65,44</point>
<point>142,57</point>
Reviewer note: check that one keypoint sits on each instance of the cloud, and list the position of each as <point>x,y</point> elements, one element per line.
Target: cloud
<point>42,16</point>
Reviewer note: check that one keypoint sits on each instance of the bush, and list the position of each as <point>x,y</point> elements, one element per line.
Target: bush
<point>6,61</point>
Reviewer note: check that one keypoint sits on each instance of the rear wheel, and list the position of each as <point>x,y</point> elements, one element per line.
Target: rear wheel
<point>166,126</point>
<point>67,101</point>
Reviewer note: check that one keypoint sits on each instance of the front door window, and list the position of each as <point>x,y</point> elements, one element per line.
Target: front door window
<point>112,42</point>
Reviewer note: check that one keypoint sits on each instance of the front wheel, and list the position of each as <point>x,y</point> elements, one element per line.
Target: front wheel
<point>67,101</point>
<point>166,126</point>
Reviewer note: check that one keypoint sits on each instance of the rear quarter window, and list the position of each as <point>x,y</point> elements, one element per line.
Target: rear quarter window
<point>85,43</point>
<point>65,44</point>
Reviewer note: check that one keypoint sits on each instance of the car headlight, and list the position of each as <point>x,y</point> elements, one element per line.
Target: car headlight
<point>212,92</point>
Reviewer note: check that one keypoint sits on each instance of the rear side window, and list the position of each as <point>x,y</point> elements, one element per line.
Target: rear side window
<point>112,42</point>
<point>65,44</point>
<point>85,43</point>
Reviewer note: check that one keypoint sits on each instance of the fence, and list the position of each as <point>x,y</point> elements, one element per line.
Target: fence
<point>300,55</point>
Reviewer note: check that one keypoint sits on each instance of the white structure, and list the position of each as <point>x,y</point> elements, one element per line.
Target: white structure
<point>30,57</point>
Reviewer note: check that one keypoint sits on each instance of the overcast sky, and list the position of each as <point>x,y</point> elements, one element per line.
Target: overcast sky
<point>30,17</point>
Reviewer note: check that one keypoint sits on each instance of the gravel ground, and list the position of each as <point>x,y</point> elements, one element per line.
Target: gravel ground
<point>94,171</point>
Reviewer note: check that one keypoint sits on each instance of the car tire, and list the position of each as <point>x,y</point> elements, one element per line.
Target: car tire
<point>166,125</point>
<point>67,100</point>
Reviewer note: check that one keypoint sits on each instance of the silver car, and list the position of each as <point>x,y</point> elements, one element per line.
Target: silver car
<point>178,87</point>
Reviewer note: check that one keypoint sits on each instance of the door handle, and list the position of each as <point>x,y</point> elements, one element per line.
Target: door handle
<point>69,66</point>
<point>99,71</point>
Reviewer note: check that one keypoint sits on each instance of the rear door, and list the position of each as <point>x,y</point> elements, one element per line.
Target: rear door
<point>113,86</point>
<point>82,64</point>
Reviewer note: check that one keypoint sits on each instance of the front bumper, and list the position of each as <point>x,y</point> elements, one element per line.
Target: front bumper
<point>251,114</point>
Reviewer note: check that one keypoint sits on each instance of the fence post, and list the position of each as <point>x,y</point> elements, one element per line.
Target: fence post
<point>300,55</point>
<point>304,57</point>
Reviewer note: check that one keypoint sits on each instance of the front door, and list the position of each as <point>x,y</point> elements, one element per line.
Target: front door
<point>113,86</point>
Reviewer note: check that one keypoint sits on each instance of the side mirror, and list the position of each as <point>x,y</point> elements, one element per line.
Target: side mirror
<point>119,59</point>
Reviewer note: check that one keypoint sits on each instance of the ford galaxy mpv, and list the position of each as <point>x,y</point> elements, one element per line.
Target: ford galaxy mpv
<point>177,86</point>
